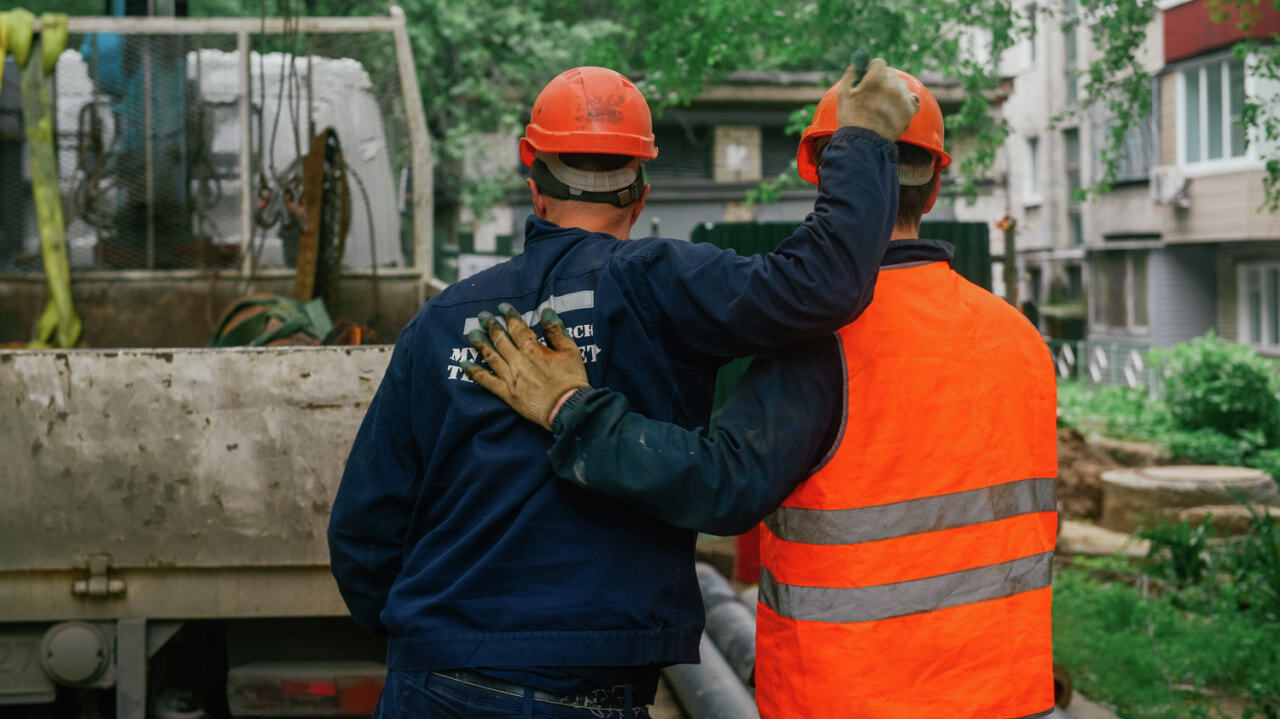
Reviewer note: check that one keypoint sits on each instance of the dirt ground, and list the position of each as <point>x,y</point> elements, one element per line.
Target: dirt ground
<point>1081,463</point>
<point>1080,466</point>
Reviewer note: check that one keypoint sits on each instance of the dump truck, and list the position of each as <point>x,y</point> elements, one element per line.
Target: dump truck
<point>162,532</point>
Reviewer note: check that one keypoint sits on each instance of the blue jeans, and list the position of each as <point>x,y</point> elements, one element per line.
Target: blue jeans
<point>424,695</point>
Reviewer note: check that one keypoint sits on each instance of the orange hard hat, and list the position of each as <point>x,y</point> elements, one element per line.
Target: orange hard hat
<point>924,131</point>
<point>591,110</point>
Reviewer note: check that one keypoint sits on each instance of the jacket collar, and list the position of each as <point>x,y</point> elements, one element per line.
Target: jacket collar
<point>912,253</point>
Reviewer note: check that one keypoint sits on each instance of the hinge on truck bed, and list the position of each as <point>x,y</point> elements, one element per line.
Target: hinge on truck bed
<point>99,584</point>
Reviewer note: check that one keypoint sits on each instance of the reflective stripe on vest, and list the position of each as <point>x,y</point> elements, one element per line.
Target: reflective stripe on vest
<point>885,601</point>
<point>910,575</point>
<point>914,516</point>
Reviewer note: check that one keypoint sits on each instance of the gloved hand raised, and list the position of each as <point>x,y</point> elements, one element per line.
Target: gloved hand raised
<point>529,376</point>
<point>881,102</point>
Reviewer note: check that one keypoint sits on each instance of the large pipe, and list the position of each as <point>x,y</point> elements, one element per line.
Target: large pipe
<point>714,587</point>
<point>750,597</point>
<point>711,689</point>
<point>730,624</point>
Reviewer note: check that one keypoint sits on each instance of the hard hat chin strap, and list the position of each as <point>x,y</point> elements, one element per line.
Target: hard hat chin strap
<point>549,184</point>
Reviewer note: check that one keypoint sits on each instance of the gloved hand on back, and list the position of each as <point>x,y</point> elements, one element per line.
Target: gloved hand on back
<point>529,376</point>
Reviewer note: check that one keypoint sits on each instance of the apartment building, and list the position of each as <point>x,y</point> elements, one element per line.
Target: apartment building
<point>1179,246</point>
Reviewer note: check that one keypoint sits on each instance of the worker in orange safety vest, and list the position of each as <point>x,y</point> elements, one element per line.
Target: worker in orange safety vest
<point>909,574</point>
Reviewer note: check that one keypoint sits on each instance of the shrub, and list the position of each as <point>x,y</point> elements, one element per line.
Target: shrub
<point>1115,411</point>
<point>1205,446</point>
<point>1213,384</point>
<point>1267,460</point>
<point>1180,550</point>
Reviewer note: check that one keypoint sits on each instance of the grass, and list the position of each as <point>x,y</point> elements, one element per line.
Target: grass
<point>1152,651</point>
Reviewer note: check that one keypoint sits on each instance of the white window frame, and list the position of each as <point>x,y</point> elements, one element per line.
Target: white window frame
<point>1243,325</point>
<point>1249,160</point>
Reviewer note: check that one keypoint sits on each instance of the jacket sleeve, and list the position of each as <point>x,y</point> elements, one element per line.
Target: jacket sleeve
<point>371,511</point>
<point>718,303</point>
<point>779,422</point>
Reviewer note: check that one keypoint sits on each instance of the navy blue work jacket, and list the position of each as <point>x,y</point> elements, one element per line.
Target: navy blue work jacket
<point>451,534</point>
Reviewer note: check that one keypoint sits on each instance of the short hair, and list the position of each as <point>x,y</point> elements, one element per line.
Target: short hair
<point>912,199</point>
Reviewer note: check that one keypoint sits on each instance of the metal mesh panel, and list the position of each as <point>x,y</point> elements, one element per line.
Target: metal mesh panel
<point>151,147</point>
<point>1105,363</point>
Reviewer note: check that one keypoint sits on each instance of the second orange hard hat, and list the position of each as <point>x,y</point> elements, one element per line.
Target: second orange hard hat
<point>591,110</point>
<point>925,130</point>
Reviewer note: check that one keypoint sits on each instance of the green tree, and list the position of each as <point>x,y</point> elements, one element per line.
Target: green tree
<point>480,62</point>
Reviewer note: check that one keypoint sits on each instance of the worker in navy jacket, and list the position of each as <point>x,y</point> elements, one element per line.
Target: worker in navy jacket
<point>495,583</point>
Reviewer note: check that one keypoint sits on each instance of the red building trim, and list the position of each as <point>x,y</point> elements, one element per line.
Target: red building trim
<point>1189,31</point>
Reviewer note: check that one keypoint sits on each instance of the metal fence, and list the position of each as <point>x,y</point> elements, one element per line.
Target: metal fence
<point>181,144</point>
<point>1104,363</point>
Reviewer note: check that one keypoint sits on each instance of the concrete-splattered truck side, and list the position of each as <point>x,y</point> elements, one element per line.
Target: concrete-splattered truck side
<point>162,531</point>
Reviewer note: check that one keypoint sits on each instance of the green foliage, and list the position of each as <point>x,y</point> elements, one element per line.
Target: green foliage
<point>481,63</point>
<point>1205,446</point>
<point>1144,653</point>
<point>1185,547</point>
<point>1219,406</point>
<point>1263,114</point>
<point>1267,460</point>
<point>1121,412</point>
<point>1116,81</point>
<point>1227,387</point>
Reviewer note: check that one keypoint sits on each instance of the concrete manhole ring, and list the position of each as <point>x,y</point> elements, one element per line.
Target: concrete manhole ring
<point>1148,495</point>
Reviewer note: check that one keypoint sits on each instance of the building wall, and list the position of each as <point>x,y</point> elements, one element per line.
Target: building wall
<point>1223,208</point>
<point>1184,300</point>
<point>1168,110</point>
<point>1041,109</point>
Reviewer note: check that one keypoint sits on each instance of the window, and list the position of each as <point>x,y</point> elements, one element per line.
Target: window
<point>1033,167</point>
<point>1071,141</point>
<point>1075,226</point>
<point>1071,52</point>
<point>1075,282</point>
<point>685,155</point>
<point>1136,154</point>
<point>1032,30</point>
<point>778,150</point>
<point>1260,305</point>
<point>1035,281</point>
<point>1120,291</point>
<point>1209,111</point>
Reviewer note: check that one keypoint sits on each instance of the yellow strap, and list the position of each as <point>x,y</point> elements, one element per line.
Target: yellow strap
<point>4,41</point>
<point>59,320</point>
<point>53,38</point>
<point>22,27</point>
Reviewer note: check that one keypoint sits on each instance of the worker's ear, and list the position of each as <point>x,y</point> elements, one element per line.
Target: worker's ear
<point>539,202</point>
<point>638,206</point>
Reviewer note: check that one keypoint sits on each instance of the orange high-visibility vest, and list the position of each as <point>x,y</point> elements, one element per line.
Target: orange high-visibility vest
<point>909,577</point>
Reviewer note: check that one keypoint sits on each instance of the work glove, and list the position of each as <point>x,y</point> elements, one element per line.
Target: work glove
<point>531,377</point>
<point>881,102</point>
